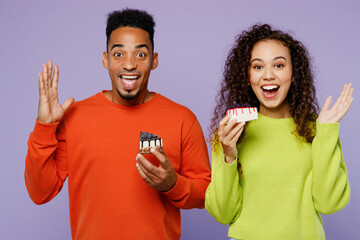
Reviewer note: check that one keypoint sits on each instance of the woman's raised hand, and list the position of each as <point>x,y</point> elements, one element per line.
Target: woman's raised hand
<point>339,109</point>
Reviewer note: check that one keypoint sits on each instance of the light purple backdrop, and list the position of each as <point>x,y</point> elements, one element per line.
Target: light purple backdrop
<point>193,39</point>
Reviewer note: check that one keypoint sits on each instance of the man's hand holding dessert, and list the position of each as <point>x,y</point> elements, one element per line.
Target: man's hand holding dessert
<point>229,132</point>
<point>161,178</point>
<point>339,109</point>
<point>50,110</point>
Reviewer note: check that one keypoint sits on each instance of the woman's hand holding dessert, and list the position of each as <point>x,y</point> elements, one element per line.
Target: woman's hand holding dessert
<point>50,110</point>
<point>229,132</point>
<point>162,178</point>
<point>339,109</point>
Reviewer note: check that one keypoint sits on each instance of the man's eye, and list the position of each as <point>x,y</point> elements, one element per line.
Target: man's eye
<point>140,54</point>
<point>117,54</point>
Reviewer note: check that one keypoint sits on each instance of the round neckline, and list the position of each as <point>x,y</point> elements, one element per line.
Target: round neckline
<point>274,119</point>
<point>101,95</point>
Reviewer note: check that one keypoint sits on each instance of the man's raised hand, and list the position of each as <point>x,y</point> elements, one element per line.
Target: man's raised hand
<point>50,110</point>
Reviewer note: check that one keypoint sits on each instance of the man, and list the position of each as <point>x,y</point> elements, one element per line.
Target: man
<point>115,192</point>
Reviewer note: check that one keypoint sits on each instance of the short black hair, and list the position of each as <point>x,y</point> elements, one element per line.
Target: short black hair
<point>130,18</point>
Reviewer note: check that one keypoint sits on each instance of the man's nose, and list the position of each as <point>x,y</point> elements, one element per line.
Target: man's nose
<point>129,63</point>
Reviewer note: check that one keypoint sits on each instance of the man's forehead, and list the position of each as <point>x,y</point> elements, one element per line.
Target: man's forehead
<point>124,36</point>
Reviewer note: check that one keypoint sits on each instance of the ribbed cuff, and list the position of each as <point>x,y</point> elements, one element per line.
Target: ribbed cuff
<point>327,129</point>
<point>44,133</point>
<point>177,191</point>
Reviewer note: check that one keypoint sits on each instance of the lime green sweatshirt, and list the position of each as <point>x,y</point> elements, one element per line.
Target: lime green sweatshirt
<point>284,184</point>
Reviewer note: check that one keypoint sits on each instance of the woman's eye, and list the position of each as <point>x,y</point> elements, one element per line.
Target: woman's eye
<point>279,65</point>
<point>257,67</point>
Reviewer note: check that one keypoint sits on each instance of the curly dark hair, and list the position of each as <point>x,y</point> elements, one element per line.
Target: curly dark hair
<point>130,18</point>
<point>235,86</point>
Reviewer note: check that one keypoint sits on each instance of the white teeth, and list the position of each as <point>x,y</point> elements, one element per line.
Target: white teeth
<point>270,87</point>
<point>129,77</point>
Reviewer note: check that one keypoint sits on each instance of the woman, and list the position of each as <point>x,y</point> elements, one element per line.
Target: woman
<point>274,176</point>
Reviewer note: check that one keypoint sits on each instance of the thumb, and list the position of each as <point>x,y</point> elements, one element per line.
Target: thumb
<point>68,102</point>
<point>326,104</point>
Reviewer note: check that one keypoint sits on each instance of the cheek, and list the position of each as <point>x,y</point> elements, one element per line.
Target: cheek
<point>257,90</point>
<point>253,81</point>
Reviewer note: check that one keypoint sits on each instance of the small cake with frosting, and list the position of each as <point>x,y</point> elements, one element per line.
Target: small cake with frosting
<point>242,112</point>
<point>148,140</point>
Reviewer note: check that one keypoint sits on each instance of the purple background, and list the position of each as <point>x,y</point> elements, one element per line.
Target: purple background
<point>193,39</point>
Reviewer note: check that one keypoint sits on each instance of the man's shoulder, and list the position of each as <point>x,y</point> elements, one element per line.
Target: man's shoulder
<point>87,101</point>
<point>175,108</point>
<point>84,106</point>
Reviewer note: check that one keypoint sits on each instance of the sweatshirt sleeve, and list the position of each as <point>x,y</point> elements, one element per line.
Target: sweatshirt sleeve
<point>194,175</point>
<point>331,189</point>
<point>46,162</point>
<point>224,195</point>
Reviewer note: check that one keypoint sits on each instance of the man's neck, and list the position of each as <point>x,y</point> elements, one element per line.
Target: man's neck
<point>114,97</point>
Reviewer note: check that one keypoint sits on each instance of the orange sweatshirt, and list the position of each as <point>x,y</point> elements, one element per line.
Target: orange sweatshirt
<point>95,147</point>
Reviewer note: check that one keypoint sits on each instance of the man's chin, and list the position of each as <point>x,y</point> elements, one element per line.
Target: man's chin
<point>128,95</point>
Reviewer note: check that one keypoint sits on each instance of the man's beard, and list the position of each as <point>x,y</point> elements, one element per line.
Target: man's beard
<point>129,96</point>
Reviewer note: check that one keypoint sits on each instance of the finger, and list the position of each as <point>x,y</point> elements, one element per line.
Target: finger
<point>148,168</point>
<point>45,76</point>
<point>55,79</point>
<point>233,132</point>
<point>68,102</point>
<point>231,123</point>
<point>346,96</point>
<point>340,99</point>
<point>326,104</point>
<point>224,121</point>
<point>349,92</point>
<point>238,132</point>
<point>347,106</point>
<point>41,85</point>
<point>343,90</point>
<point>50,66</point>
<point>164,161</point>
<point>226,125</point>
<point>143,175</point>
<point>236,137</point>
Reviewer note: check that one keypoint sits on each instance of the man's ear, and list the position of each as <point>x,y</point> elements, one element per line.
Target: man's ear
<point>155,60</point>
<point>105,60</point>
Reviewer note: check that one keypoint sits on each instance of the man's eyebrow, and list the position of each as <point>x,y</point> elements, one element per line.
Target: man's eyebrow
<point>141,46</point>
<point>117,45</point>
<point>122,45</point>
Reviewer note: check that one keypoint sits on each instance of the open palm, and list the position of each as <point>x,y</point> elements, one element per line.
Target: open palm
<point>339,109</point>
<point>50,110</point>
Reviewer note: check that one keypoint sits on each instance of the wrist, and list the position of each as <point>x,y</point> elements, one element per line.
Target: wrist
<point>230,159</point>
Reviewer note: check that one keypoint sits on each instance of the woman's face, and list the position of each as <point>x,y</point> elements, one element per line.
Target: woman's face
<point>270,77</point>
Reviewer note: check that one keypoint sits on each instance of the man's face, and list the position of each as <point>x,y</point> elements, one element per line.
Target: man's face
<point>129,60</point>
